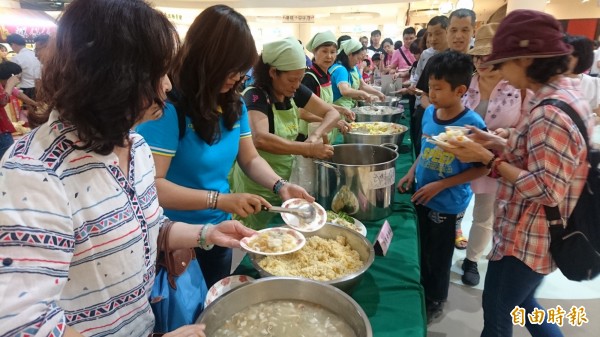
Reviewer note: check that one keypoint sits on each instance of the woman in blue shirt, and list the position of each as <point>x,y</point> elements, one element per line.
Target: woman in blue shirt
<point>348,85</point>
<point>192,169</point>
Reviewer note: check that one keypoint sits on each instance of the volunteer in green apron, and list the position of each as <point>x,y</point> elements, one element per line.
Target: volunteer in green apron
<point>324,48</point>
<point>273,105</point>
<point>348,85</point>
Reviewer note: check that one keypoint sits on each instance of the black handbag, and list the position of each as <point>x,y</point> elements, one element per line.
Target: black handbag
<point>576,248</point>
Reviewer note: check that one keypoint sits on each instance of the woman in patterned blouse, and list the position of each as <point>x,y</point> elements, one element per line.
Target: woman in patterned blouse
<point>80,214</point>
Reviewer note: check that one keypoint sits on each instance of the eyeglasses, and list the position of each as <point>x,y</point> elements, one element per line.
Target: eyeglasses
<point>482,58</point>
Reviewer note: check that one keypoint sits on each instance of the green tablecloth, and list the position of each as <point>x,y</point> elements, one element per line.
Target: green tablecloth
<point>390,292</point>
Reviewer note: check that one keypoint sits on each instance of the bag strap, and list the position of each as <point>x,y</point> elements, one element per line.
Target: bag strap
<point>553,213</point>
<point>162,244</point>
<point>405,58</point>
<point>566,108</point>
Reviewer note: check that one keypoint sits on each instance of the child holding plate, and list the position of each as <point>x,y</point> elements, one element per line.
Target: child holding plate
<point>442,190</point>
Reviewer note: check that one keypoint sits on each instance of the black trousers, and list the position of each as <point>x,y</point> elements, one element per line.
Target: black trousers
<point>29,92</point>
<point>416,130</point>
<point>436,237</point>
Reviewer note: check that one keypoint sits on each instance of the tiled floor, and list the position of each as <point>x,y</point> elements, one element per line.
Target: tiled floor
<point>463,316</point>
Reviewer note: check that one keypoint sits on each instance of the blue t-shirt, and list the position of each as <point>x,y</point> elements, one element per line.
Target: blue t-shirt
<point>339,74</point>
<point>194,163</point>
<point>436,164</point>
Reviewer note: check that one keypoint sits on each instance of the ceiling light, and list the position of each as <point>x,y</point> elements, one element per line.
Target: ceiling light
<point>268,19</point>
<point>468,4</point>
<point>445,7</point>
<point>358,15</point>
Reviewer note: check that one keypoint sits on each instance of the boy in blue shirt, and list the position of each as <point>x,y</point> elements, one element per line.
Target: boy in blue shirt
<point>442,181</point>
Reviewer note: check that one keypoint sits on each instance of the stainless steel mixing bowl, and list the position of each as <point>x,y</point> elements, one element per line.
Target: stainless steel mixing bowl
<point>278,288</point>
<point>354,239</point>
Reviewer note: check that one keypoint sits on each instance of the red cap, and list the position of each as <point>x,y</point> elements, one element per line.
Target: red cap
<point>528,33</point>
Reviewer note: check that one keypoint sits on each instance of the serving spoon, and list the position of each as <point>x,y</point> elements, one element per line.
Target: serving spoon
<point>306,212</point>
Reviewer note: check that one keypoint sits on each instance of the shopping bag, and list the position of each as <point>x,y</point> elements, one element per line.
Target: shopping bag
<point>174,308</point>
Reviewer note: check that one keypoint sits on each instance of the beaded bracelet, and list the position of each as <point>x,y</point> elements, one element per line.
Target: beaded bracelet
<point>202,243</point>
<point>278,185</point>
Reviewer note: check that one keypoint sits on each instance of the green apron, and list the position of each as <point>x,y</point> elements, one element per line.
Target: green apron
<point>326,94</point>
<point>354,84</point>
<point>285,126</point>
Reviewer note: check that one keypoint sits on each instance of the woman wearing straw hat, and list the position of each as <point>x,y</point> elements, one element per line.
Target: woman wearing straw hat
<point>500,105</point>
<point>541,162</point>
<point>324,48</point>
<point>273,104</point>
<point>348,85</point>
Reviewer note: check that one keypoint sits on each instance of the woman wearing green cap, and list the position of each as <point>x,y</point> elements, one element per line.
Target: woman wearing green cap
<point>324,48</point>
<point>348,85</point>
<point>273,105</point>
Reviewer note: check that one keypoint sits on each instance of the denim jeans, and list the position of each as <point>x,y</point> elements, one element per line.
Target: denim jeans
<point>215,263</point>
<point>509,283</point>
<point>436,237</point>
<point>6,140</point>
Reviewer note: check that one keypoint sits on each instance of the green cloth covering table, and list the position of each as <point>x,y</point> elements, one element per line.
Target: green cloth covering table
<point>390,292</point>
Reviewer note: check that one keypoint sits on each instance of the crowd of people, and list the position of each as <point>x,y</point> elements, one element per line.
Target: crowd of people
<point>143,130</point>
<point>519,157</point>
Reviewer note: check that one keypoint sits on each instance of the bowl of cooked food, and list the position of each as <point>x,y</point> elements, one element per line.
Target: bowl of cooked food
<point>375,133</point>
<point>334,255</point>
<point>374,113</point>
<point>290,307</point>
<point>345,220</point>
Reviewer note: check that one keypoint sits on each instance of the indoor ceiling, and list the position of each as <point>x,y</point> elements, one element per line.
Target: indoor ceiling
<point>272,3</point>
<point>328,11</point>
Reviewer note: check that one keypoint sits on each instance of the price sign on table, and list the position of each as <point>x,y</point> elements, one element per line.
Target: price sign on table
<point>383,240</point>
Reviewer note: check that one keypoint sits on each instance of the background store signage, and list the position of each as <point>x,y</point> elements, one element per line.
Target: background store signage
<point>28,32</point>
<point>298,19</point>
<point>174,17</point>
<point>25,22</point>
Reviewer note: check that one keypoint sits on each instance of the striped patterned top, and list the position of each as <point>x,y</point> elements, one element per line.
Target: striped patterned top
<point>77,237</point>
<point>550,150</point>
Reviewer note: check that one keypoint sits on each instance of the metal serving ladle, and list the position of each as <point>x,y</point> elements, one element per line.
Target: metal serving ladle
<point>306,212</point>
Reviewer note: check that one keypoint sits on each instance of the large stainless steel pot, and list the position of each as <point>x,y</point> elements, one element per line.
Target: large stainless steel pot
<point>367,171</point>
<point>269,289</point>
<point>387,114</point>
<point>355,136</point>
<point>356,240</point>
